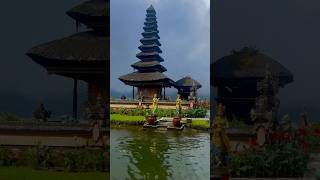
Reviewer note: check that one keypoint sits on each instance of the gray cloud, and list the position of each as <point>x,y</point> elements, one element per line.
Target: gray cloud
<point>184,31</point>
<point>24,84</point>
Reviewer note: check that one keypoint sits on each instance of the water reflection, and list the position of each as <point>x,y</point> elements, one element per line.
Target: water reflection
<point>149,154</point>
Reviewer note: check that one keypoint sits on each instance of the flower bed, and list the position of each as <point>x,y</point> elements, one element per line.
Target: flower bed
<point>189,113</point>
<point>285,156</point>
<point>287,160</point>
<point>42,157</point>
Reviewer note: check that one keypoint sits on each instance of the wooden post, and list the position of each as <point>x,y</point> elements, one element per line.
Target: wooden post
<point>75,98</point>
<point>164,92</point>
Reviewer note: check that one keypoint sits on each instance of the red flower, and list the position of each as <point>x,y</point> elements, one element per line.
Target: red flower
<point>287,136</point>
<point>317,132</point>
<point>302,131</point>
<point>305,147</point>
<point>225,177</point>
<point>274,137</point>
<point>252,142</point>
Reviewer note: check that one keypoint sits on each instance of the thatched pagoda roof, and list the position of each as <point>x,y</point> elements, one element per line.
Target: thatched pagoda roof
<point>147,78</point>
<point>150,34</point>
<point>149,64</point>
<point>151,9</point>
<point>150,47</point>
<point>247,64</point>
<point>150,56</point>
<point>187,82</point>
<point>84,46</point>
<point>81,55</point>
<point>92,13</point>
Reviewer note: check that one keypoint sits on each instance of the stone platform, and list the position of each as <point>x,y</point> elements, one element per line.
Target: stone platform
<point>164,124</point>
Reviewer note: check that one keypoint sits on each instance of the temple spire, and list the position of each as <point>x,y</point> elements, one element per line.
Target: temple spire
<point>149,74</point>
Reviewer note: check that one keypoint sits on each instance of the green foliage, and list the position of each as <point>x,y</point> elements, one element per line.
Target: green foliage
<point>313,142</point>
<point>277,160</point>
<point>317,174</point>
<point>201,124</point>
<point>24,173</point>
<point>134,120</point>
<point>43,157</point>
<point>188,113</point>
<point>39,157</point>
<point>83,160</point>
<point>8,117</point>
<point>6,157</point>
<point>237,124</point>
<point>194,113</point>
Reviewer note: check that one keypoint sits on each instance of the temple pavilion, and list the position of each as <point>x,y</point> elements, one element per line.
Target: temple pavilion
<point>84,55</point>
<point>148,75</point>
<point>236,77</point>
<point>186,85</point>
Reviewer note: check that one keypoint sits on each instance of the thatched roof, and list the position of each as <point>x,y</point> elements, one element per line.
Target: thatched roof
<point>149,56</point>
<point>137,76</point>
<point>150,34</point>
<point>145,78</point>
<point>150,18</point>
<point>92,13</point>
<point>247,63</point>
<point>187,82</point>
<point>151,9</point>
<point>153,40</point>
<point>91,8</point>
<point>151,47</point>
<point>85,46</point>
<point>148,64</point>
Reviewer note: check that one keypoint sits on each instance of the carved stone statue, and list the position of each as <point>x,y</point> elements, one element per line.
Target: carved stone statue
<point>221,144</point>
<point>155,104</point>
<point>41,113</point>
<point>177,119</point>
<point>141,98</point>
<point>193,95</point>
<point>152,119</point>
<point>265,112</point>
<point>303,120</point>
<point>178,106</point>
<point>285,123</point>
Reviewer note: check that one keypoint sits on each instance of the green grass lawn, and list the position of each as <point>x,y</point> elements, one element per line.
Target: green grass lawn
<point>200,123</point>
<point>136,120</point>
<point>118,118</point>
<point>25,173</point>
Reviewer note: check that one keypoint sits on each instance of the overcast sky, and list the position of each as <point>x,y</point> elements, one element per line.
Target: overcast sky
<point>24,84</point>
<point>184,27</point>
<point>287,30</point>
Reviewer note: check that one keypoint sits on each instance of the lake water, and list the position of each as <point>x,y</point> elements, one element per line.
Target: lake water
<point>151,154</point>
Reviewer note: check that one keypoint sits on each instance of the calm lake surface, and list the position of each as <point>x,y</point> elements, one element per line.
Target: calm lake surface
<point>154,154</point>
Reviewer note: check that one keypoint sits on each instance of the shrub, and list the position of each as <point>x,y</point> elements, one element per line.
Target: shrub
<point>39,157</point>
<point>6,157</point>
<point>84,160</point>
<point>277,160</point>
<point>188,113</point>
<point>8,117</point>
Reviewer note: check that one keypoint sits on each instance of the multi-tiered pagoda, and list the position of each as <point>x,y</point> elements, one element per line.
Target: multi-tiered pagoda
<point>148,76</point>
<point>84,55</point>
